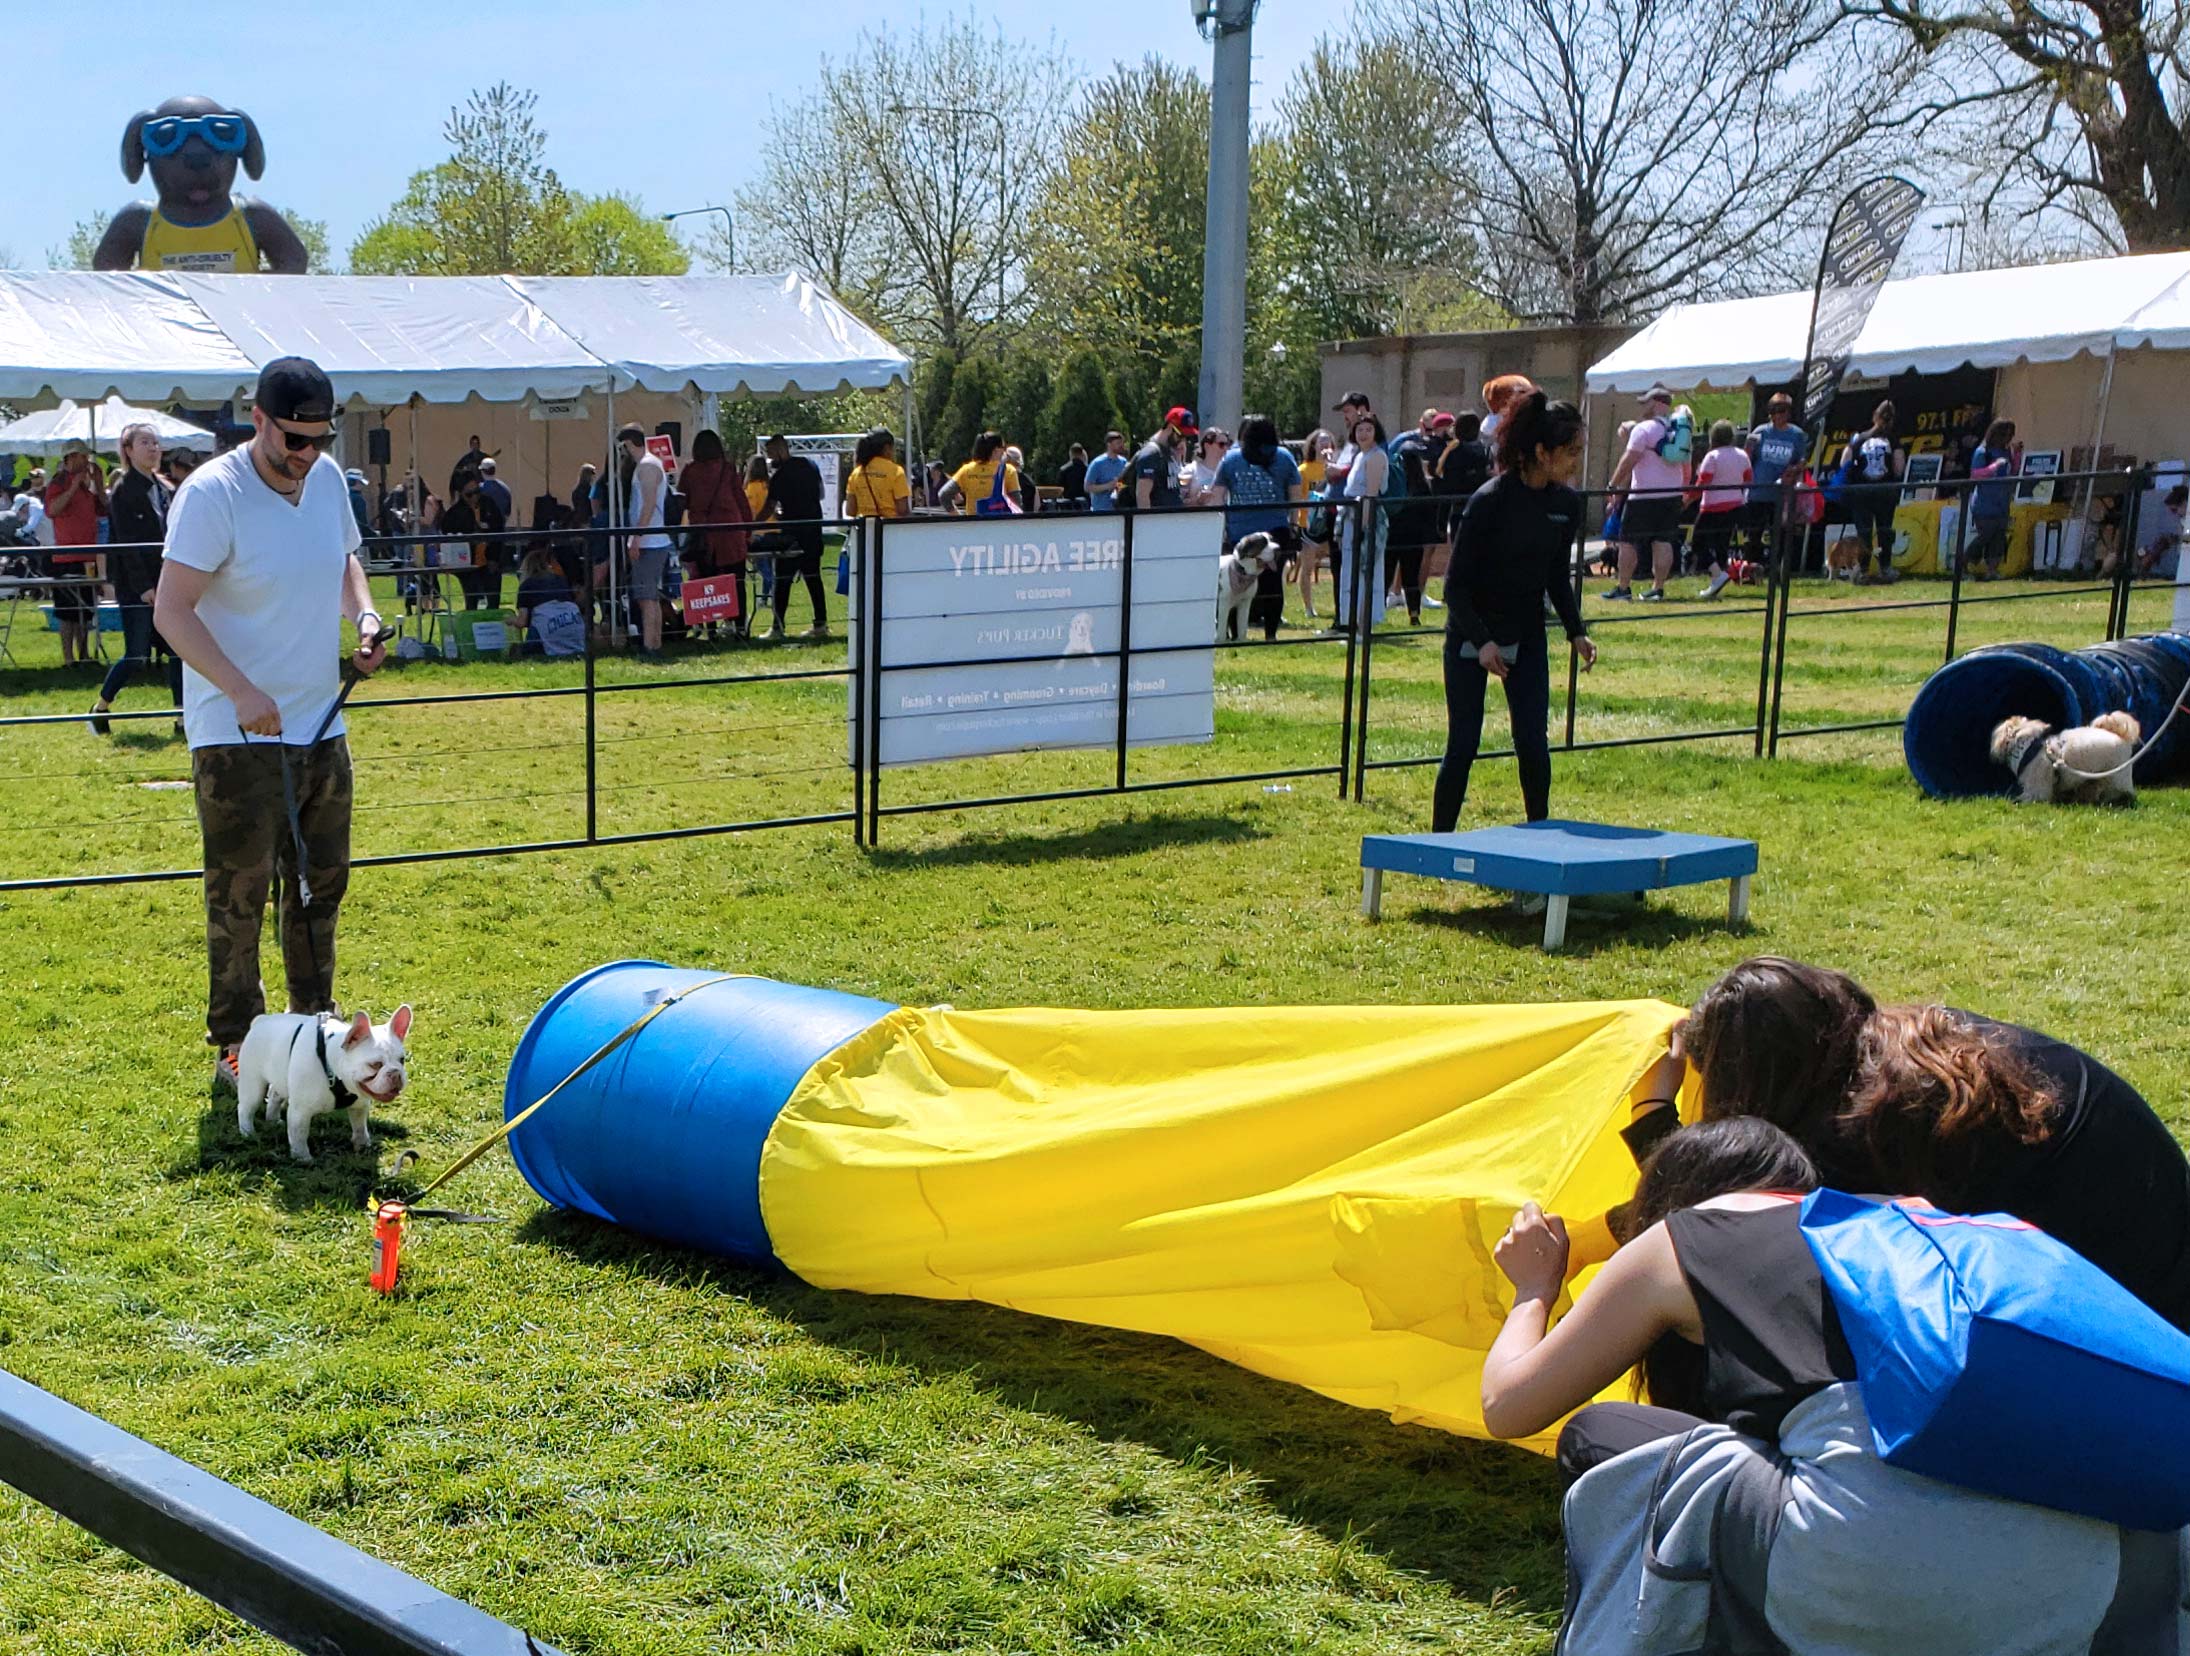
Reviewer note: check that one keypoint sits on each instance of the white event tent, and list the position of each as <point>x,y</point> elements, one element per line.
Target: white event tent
<point>2082,350</point>
<point>509,359</point>
<point>51,430</point>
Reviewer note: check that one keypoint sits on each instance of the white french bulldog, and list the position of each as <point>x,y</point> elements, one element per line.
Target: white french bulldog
<point>313,1063</point>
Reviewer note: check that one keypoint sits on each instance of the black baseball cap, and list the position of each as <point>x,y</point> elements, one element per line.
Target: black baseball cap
<point>1361,397</point>
<point>295,388</point>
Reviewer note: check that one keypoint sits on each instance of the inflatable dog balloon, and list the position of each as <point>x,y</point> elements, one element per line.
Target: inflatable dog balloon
<point>192,146</point>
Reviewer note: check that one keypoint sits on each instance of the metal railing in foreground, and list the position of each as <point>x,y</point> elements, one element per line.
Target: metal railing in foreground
<point>276,1572</point>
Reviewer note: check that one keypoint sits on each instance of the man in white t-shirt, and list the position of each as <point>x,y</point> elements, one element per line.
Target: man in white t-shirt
<point>1647,487</point>
<point>260,569</point>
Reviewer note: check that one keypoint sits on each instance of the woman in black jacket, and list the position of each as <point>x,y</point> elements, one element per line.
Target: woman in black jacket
<point>1512,548</point>
<point>137,525</point>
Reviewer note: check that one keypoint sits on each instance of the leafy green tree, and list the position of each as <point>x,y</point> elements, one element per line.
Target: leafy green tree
<point>934,379</point>
<point>1363,197</point>
<point>910,176</point>
<point>1022,396</point>
<point>969,412</point>
<point>1081,406</point>
<point>1117,235</point>
<point>496,206</point>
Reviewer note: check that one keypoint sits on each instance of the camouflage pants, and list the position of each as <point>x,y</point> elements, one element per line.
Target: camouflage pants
<point>247,848</point>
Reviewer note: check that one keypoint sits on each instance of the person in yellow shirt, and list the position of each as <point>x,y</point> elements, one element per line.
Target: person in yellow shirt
<point>974,483</point>
<point>876,485</point>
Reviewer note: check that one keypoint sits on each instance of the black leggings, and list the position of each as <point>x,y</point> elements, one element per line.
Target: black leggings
<point>1528,704</point>
<point>805,566</point>
<point>1603,1430</point>
<point>1407,562</point>
<point>139,640</point>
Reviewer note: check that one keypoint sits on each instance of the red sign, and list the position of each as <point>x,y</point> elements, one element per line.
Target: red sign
<point>714,599</point>
<point>662,449</point>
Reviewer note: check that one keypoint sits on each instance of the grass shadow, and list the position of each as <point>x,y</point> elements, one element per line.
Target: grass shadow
<point>1588,930</point>
<point>1479,1517</point>
<point>1127,838</point>
<point>337,1176</point>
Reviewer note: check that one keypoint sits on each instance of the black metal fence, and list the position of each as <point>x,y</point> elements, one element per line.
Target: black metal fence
<point>1366,662</point>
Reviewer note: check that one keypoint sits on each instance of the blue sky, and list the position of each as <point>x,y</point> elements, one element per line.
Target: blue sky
<point>351,98</point>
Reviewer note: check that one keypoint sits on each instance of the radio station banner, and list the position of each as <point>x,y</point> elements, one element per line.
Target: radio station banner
<point>992,633</point>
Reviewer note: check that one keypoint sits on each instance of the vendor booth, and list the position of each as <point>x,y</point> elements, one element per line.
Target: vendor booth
<point>2087,359</point>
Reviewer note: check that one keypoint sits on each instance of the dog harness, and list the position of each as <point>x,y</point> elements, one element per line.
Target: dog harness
<point>226,245</point>
<point>2019,751</point>
<point>344,1098</point>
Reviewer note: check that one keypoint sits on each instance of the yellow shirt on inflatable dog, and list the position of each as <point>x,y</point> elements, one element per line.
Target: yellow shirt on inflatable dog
<point>225,245</point>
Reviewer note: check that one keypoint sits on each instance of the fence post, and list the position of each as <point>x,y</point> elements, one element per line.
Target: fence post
<point>1125,647</point>
<point>1781,514</point>
<point>1346,700</point>
<point>872,655</point>
<point>1365,549</point>
<point>1968,491</point>
<point>2138,481</point>
<point>856,713</point>
<point>593,795</point>
<point>1783,577</point>
<point>1573,657</point>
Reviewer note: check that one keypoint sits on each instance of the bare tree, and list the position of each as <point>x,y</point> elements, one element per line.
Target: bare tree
<point>1628,153</point>
<point>2084,105</point>
<point>947,135</point>
<point>812,209</point>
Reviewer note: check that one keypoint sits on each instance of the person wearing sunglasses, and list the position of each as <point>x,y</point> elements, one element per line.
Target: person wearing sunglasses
<point>193,147</point>
<point>260,569</point>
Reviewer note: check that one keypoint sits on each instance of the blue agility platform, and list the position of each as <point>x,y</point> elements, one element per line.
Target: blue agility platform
<point>1560,861</point>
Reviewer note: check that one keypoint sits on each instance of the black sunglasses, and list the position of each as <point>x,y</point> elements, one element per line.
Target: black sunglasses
<point>298,441</point>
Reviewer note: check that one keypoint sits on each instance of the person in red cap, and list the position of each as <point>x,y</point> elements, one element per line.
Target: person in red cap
<point>1155,473</point>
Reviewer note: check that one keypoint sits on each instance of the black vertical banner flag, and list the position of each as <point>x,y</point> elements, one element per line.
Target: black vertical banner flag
<point>1860,249</point>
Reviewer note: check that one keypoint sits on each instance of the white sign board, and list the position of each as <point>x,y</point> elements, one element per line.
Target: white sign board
<point>992,630</point>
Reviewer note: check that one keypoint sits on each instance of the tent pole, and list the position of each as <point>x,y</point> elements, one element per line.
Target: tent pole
<point>615,521</point>
<point>2098,436</point>
<point>912,449</point>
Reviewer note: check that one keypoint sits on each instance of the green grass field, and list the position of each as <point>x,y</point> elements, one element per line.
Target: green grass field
<point>633,1450</point>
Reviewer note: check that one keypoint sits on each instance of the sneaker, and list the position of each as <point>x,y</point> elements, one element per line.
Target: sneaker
<point>1431,603</point>
<point>1619,595</point>
<point>1887,574</point>
<point>1656,595</point>
<point>225,1069</point>
<point>763,633</point>
<point>99,724</point>
<point>819,629</point>
<point>1718,584</point>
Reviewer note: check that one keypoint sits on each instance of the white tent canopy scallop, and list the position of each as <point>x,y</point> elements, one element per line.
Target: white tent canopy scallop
<point>1924,324</point>
<point>155,337</point>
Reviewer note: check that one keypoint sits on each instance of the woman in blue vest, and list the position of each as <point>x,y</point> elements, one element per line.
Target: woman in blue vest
<point>1746,1508</point>
<point>1974,1115</point>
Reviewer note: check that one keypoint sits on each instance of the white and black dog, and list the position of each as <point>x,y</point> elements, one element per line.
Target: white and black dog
<point>2085,766</point>
<point>1238,572</point>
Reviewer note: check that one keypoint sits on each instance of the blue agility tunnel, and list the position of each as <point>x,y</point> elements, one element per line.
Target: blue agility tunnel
<point>1947,736</point>
<point>665,1135</point>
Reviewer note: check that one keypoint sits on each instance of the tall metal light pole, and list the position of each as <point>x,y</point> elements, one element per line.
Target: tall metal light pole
<point>1230,25</point>
<point>1003,161</point>
<point>729,228</point>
